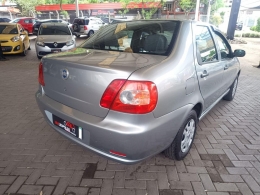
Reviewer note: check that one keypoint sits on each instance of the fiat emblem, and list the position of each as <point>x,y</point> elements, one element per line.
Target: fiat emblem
<point>55,44</point>
<point>65,74</point>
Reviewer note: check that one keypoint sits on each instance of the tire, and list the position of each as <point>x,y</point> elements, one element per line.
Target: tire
<point>39,57</point>
<point>24,51</point>
<point>182,143</point>
<point>76,27</point>
<point>78,36</point>
<point>232,91</point>
<point>90,33</point>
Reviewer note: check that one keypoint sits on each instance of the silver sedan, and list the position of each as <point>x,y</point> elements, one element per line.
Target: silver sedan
<point>135,89</point>
<point>53,38</point>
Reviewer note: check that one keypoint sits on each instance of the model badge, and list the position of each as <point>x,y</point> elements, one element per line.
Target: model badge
<point>65,74</point>
<point>55,44</point>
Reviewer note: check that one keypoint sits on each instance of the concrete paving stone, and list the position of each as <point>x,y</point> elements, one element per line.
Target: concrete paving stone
<point>231,178</point>
<point>62,185</point>
<point>96,183</point>
<point>170,192</point>
<point>102,164</point>
<point>62,173</point>
<point>3,188</point>
<point>47,181</point>
<point>244,189</point>
<point>76,178</point>
<point>152,188</point>
<point>140,192</point>
<point>162,160</point>
<point>196,169</point>
<point>253,185</point>
<point>242,163</point>
<point>145,176</point>
<point>30,189</point>
<point>236,170</point>
<point>218,193</point>
<point>181,185</point>
<point>207,182</point>
<point>104,174</point>
<point>114,167</point>
<point>254,173</point>
<point>221,169</point>
<point>226,187</point>
<point>107,187</point>
<point>117,191</point>
<point>94,191</point>
<point>16,185</point>
<point>189,177</point>
<point>119,180</point>
<point>156,169</point>
<point>163,182</point>
<point>47,190</point>
<point>172,173</point>
<point>34,176</point>
<point>185,192</point>
<point>180,166</point>
<point>135,184</point>
<point>7,179</point>
<point>198,188</point>
<point>77,190</point>
<point>215,177</point>
<point>200,148</point>
<point>22,171</point>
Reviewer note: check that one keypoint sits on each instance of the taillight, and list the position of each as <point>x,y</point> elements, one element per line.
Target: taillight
<point>85,28</point>
<point>41,78</point>
<point>136,97</point>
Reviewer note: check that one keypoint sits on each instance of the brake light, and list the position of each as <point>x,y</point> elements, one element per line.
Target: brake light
<point>41,78</point>
<point>136,97</point>
<point>85,28</point>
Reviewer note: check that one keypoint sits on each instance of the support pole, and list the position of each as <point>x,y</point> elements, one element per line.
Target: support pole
<point>233,19</point>
<point>208,12</point>
<point>197,10</point>
<point>77,8</point>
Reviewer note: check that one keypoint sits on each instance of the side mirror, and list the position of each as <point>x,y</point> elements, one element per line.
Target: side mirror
<point>239,53</point>
<point>223,54</point>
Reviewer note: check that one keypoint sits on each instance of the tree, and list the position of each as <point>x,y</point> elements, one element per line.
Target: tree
<point>187,5</point>
<point>28,6</point>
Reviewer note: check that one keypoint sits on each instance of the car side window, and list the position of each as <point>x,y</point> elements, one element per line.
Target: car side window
<point>26,21</point>
<point>225,49</point>
<point>205,46</point>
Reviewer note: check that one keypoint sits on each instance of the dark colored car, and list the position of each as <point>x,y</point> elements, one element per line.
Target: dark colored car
<point>38,23</point>
<point>5,20</point>
<point>26,22</point>
<point>239,26</point>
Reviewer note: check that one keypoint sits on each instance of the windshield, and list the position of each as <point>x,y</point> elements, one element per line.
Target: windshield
<point>149,37</point>
<point>54,30</point>
<point>8,29</point>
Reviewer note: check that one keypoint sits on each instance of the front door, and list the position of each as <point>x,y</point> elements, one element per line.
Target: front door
<point>209,68</point>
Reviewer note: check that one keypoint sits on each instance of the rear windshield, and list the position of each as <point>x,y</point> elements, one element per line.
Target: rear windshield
<point>8,29</point>
<point>81,21</point>
<point>149,37</point>
<point>54,30</point>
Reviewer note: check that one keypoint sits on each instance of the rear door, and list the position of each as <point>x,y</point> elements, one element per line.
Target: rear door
<point>209,67</point>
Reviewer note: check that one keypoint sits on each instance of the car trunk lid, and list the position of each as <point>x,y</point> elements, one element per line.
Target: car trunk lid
<point>79,78</point>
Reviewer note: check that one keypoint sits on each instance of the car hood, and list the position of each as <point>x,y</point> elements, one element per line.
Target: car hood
<point>128,62</point>
<point>54,38</point>
<point>5,37</point>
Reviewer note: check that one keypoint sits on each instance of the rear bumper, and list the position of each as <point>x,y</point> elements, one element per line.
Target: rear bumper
<point>137,136</point>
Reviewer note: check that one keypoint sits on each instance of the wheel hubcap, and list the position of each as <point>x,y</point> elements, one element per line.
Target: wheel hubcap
<point>234,88</point>
<point>187,135</point>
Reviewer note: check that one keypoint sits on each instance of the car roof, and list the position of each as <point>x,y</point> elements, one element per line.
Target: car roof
<point>55,24</point>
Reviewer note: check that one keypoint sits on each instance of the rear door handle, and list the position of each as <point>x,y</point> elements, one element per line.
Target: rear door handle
<point>226,67</point>
<point>204,74</point>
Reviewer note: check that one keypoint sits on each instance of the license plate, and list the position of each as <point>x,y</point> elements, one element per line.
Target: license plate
<point>3,48</point>
<point>55,50</point>
<point>74,130</point>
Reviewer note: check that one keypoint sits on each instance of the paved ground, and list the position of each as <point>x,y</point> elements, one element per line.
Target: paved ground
<point>34,159</point>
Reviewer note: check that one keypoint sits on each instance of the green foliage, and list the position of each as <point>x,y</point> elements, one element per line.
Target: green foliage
<point>258,25</point>
<point>253,28</point>
<point>28,6</point>
<point>216,20</point>
<point>187,5</point>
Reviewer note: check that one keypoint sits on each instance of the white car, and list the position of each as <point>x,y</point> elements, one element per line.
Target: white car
<point>86,26</point>
<point>53,38</point>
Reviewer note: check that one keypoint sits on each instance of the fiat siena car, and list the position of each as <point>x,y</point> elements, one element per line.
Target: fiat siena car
<point>14,39</point>
<point>52,38</point>
<point>135,89</point>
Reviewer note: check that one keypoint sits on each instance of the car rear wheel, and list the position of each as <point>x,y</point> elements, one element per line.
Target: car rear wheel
<point>232,91</point>
<point>77,36</point>
<point>39,57</point>
<point>182,142</point>
<point>91,33</point>
<point>24,51</point>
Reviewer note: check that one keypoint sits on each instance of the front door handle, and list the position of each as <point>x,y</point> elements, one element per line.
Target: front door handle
<point>204,74</point>
<point>226,67</point>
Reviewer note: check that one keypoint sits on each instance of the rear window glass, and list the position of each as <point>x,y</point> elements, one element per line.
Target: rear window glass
<point>81,21</point>
<point>148,37</point>
<point>54,30</point>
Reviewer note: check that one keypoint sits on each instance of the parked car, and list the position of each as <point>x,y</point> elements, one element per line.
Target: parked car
<point>119,20</point>
<point>26,22</point>
<point>38,23</point>
<point>14,39</point>
<point>239,26</point>
<point>5,20</point>
<point>86,26</point>
<point>52,38</point>
<point>138,88</point>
